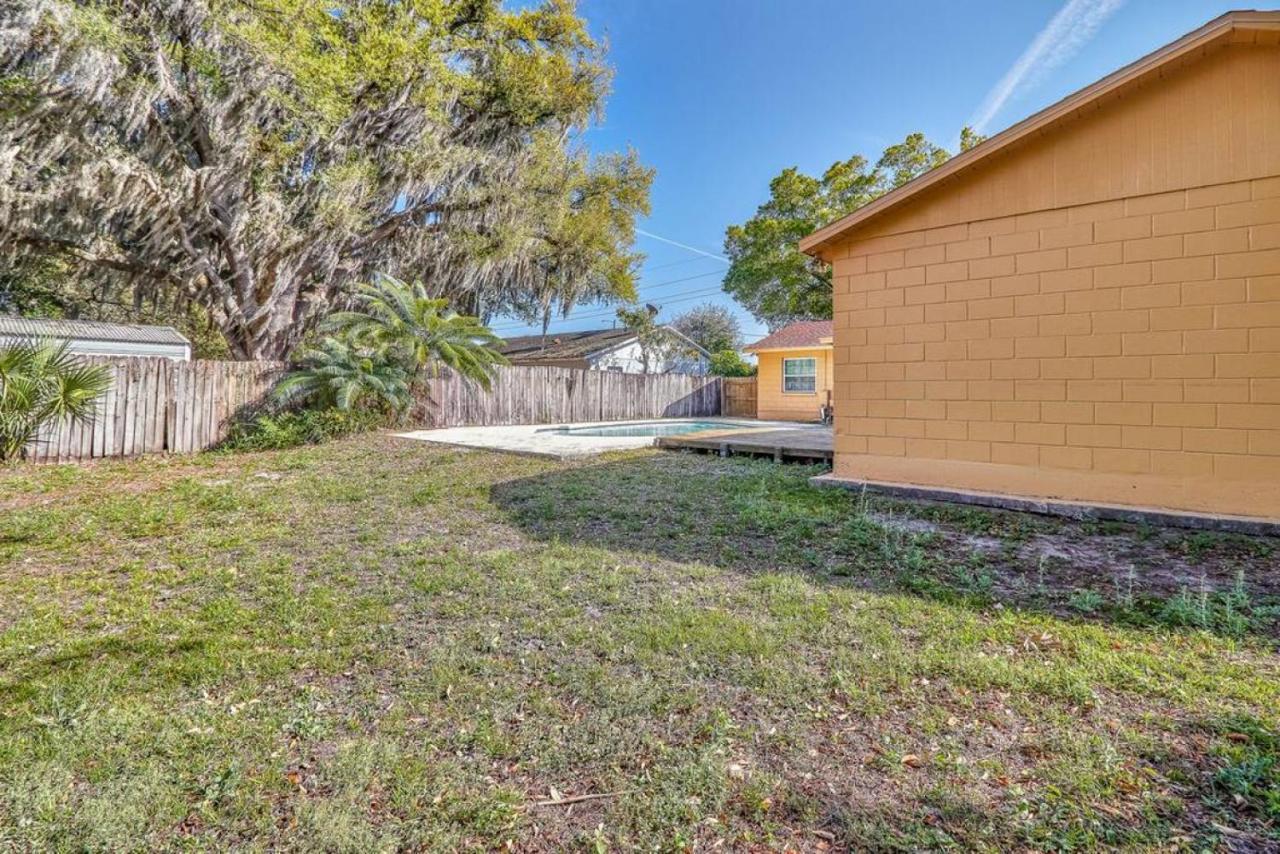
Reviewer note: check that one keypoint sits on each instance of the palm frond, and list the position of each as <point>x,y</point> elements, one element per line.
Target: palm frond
<point>408,326</point>
<point>41,381</point>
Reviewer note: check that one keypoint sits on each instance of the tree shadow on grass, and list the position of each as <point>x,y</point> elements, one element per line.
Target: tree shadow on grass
<point>29,678</point>
<point>752,516</point>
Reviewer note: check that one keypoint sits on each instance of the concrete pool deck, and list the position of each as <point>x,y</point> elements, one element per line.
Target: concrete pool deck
<point>540,440</point>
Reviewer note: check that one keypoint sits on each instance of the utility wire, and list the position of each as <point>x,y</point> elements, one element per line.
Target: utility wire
<point>647,289</point>
<point>592,315</point>
<point>650,268</point>
<point>643,290</point>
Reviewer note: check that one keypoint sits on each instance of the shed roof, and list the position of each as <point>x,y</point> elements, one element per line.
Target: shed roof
<point>89,330</point>
<point>804,333</point>
<point>1245,26</point>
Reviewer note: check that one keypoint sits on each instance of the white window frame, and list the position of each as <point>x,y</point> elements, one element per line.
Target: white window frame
<point>811,359</point>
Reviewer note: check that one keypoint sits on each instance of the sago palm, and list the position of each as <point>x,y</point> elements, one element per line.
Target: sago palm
<point>406,322</point>
<point>41,382</point>
<point>335,374</point>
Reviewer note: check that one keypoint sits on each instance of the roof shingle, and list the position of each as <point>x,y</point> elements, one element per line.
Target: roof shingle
<point>804,333</point>
<point>564,345</point>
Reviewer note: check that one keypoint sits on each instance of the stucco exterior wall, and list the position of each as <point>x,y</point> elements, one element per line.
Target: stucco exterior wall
<point>773,404</point>
<point>1093,317</point>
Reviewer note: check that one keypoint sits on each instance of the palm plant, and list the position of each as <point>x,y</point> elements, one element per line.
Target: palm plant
<point>405,322</point>
<point>336,374</point>
<point>41,382</point>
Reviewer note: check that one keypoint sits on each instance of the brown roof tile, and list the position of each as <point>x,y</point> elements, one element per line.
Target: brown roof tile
<point>564,345</point>
<point>804,333</point>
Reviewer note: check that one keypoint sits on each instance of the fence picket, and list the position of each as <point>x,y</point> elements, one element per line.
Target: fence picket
<point>156,405</point>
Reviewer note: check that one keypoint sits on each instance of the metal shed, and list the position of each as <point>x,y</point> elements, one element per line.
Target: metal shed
<point>95,338</point>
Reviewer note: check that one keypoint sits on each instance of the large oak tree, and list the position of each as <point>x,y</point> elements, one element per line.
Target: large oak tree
<point>258,157</point>
<point>768,274</point>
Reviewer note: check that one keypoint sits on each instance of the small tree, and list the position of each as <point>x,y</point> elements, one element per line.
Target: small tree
<point>712,327</point>
<point>657,345</point>
<point>40,383</point>
<point>768,274</point>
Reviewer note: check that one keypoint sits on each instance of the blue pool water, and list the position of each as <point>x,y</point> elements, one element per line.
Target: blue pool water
<point>641,428</point>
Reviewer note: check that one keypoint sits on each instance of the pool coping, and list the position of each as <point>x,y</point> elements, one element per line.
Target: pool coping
<point>540,440</point>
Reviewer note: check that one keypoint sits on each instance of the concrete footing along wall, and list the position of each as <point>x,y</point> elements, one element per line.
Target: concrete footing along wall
<point>1053,507</point>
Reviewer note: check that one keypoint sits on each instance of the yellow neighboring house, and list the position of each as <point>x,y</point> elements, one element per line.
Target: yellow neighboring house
<point>793,382</point>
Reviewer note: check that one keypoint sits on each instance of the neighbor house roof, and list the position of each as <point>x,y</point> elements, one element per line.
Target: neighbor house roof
<point>88,330</point>
<point>795,336</point>
<point>1242,26</point>
<point>565,346</point>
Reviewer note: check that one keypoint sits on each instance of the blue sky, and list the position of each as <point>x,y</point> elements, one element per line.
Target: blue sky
<point>721,95</point>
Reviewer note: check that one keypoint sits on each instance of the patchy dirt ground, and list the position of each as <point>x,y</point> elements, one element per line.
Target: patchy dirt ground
<point>1160,562</point>
<point>1087,568</point>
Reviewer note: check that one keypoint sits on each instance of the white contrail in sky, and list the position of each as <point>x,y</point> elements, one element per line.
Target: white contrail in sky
<point>693,249</point>
<point>1071,28</point>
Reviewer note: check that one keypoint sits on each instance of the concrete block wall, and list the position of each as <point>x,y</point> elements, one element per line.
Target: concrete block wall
<point>1126,351</point>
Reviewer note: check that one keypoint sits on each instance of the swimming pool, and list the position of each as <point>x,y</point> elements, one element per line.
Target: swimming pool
<point>640,428</point>
<point>572,441</point>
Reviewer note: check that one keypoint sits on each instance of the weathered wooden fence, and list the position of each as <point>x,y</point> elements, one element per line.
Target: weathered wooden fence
<point>545,395</point>
<point>738,397</point>
<point>159,406</point>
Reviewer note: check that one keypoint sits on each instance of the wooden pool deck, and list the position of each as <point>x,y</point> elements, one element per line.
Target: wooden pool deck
<point>801,443</point>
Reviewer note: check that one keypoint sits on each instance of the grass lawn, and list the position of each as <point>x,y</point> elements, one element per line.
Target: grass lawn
<point>380,644</point>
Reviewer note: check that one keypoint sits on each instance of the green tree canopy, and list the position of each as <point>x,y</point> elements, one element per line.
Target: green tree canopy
<point>257,157</point>
<point>768,274</point>
<point>970,138</point>
<point>729,363</point>
<point>909,159</point>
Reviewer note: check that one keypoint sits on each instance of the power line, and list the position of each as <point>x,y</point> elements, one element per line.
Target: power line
<point>674,263</point>
<point>643,289</point>
<point>656,285</point>
<point>685,298</point>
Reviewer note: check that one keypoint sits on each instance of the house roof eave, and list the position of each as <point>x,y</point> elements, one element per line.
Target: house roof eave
<point>1219,28</point>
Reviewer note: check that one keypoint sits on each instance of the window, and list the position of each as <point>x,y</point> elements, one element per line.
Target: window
<point>799,376</point>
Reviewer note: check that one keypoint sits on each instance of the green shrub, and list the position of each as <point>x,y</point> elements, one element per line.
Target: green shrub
<point>729,363</point>
<point>292,428</point>
<point>42,383</point>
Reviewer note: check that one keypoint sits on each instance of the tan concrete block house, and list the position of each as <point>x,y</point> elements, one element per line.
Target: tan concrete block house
<point>794,371</point>
<point>1085,307</point>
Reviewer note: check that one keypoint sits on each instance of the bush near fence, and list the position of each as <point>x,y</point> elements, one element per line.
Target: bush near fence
<point>162,406</point>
